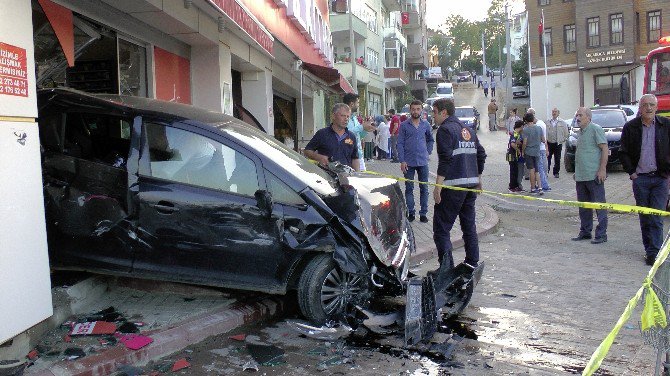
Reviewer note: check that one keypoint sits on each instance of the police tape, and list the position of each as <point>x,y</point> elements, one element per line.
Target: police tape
<point>621,208</point>
<point>653,313</point>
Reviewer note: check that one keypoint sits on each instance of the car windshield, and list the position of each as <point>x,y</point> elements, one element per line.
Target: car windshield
<point>405,109</point>
<point>465,112</point>
<point>294,163</point>
<point>444,90</point>
<point>608,119</point>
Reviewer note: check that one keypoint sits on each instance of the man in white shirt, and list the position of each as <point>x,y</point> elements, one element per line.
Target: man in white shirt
<point>542,163</point>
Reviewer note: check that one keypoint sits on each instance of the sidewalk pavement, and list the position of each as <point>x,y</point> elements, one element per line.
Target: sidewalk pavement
<point>176,316</point>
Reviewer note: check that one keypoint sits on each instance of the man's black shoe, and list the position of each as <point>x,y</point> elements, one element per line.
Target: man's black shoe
<point>556,176</point>
<point>423,219</point>
<point>650,259</point>
<point>411,217</point>
<point>395,161</point>
<point>582,237</point>
<point>599,240</point>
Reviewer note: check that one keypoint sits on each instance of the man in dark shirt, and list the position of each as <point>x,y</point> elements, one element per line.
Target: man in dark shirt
<point>461,162</point>
<point>335,142</point>
<point>644,153</point>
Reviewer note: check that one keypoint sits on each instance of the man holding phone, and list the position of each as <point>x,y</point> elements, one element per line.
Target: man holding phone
<point>590,175</point>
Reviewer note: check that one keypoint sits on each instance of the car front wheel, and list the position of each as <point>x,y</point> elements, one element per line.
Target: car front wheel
<point>325,291</point>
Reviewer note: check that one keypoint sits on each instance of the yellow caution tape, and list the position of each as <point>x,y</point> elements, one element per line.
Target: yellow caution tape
<point>580,204</point>
<point>652,304</point>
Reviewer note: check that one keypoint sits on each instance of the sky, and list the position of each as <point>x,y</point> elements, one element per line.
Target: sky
<point>437,11</point>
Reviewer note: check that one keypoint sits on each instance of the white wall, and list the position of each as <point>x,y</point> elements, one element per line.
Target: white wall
<point>563,94</point>
<point>257,97</point>
<point>25,286</point>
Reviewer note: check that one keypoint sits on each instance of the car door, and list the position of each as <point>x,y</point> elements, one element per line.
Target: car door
<point>199,214</point>
<point>85,188</point>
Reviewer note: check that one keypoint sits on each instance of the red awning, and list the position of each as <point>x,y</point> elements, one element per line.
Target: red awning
<point>331,77</point>
<point>60,19</point>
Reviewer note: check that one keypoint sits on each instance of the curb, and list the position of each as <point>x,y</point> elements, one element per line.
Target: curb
<point>487,226</point>
<point>169,340</point>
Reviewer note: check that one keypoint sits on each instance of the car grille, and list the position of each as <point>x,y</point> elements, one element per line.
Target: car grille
<point>613,143</point>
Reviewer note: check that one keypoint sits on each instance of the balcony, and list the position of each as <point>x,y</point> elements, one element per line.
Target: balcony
<point>395,33</point>
<point>394,77</point>
<point>414,21</point>
<point>339,26</point>
<point>391,5</point>
<point>362,73</point>
<point>419,85</point>
<point>417,56</point>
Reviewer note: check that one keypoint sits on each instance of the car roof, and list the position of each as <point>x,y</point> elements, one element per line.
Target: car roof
<point>131,104</point>
<point>465,107</point>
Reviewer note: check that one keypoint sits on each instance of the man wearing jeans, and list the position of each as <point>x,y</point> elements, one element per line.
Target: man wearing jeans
<point>415,143</point>
<point>590,174</point>
<point>644,153</point>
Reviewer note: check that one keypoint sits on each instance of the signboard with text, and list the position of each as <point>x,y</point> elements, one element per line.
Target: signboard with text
<point>13,70</point>
<point>606,57</point>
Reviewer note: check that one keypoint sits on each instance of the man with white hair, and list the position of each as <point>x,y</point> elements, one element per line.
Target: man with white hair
<point>644,153</point>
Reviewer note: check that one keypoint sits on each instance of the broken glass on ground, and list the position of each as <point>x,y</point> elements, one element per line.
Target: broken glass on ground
<point>266,355</point>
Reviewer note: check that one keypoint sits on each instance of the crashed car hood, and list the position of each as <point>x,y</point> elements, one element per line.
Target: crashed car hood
<point>382,208</point>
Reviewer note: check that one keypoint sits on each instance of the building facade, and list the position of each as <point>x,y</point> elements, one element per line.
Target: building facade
<point>590,45</point>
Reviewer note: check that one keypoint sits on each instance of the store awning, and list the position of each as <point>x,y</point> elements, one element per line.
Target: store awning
<point>60,19</point>
<point>331,77</point>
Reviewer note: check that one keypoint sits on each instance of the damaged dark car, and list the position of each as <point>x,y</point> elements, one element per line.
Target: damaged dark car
<point>158,190</point>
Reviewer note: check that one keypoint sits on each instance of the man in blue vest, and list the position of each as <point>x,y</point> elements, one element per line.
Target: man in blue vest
<point>460,163</point>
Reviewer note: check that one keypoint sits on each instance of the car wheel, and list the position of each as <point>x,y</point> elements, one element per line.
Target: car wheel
<point>569,164</point>
<point>325,291</point>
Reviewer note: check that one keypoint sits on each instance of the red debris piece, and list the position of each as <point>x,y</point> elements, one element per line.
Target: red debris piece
<point>238,337</point>
<point>154,373</point>
<point>33,354</point>
<point>135,341</point>
<point>180,364</point>
<point>67,338</point>
<point>93,328</point>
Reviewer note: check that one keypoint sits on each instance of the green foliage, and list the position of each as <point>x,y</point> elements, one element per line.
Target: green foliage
<point>445,57</point>
<point>403,97</point>
<point>520,67</point>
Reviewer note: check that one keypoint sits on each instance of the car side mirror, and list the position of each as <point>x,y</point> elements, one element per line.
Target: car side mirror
<point>264,201</point>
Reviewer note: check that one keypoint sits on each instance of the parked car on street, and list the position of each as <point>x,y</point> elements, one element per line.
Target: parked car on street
<point>469,116</point>
<point>629,109</point>
<point>520,91</point>
<point>612,121</point>
<point>158,190</point>
<point>463,77</point>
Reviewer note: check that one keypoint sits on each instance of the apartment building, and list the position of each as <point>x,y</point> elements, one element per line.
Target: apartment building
<point>590,45</point>
<point>414,26</point>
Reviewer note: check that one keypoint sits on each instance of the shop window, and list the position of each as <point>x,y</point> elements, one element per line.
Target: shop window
<point>616,28</point>
<point>593,31</point>
<point>569,38</point>
<point>653,26</point>
<point>186,157</point>
<point>132,69</point>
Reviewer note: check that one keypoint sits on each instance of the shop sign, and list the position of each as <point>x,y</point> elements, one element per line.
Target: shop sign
<point>605,56</point>
<point>246,22</point>
<point>13,70</point>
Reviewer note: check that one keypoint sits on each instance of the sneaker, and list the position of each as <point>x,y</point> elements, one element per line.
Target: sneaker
<point>540,192</point>
<point>547,189</point>
<point>534,191</point>
<point>598,240</point>
<point>512,190</point>
<point>518,190</point>
<point>423,219</point>
<point>411,218</point>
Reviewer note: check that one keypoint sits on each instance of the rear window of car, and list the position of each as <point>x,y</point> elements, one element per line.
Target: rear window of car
<point>445,90</point>
<point>608,119</point>
<point>465,112</point>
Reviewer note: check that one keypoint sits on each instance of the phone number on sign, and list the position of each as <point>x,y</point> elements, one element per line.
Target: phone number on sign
<point>13,86</point>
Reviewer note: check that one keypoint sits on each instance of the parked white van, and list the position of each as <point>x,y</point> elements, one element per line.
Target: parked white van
<point>445,90</point>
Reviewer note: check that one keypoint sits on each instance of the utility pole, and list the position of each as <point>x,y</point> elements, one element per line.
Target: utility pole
<point>483,57</point>
<point>352,47</point>
<point>508,63</point>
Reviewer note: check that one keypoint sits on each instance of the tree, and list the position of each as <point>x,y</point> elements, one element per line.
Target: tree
<point>444,46</point>
<point>520,67</point>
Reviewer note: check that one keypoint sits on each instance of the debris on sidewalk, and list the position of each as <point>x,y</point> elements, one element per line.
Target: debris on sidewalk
<point>266,355</point>
<point>180,364</point>
<point>329,332</point>
<point>93,328</point>
<point>238,337</point>
<point>135,341</point>
<point>72,353</point>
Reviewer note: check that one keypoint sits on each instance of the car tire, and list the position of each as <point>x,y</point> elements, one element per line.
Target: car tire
<point>325,291</point>
<point>569,165</point>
